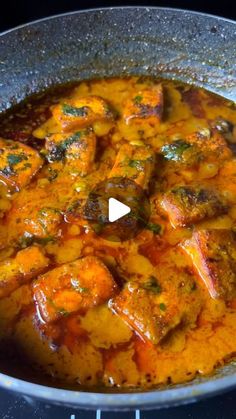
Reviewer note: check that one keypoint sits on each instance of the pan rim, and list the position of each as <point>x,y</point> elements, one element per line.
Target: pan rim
<point>146,400</point>
<point>100,9</point>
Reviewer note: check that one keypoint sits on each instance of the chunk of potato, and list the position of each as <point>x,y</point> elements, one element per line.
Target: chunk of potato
<point>81,112</point>
<point>77,148</point>
<point>105,329</point>
<point>81,364</point>
<point>146,105</point>
<point>76,286</point>
<point>18,163</point>
<point>186,205</point>
<point>213,253</point>
<point>16,271</point>
<point>136,163</point>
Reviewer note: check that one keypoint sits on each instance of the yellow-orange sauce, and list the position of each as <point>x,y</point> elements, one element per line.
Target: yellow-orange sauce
<point>168,327</point>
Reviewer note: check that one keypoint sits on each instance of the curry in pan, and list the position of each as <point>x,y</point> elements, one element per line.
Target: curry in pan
<point>155,309</point>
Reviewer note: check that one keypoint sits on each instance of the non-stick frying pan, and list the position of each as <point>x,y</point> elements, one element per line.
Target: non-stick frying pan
<point>191,47</point>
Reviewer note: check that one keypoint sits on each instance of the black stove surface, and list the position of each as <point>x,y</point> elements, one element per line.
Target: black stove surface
<point>12,406</point>
<point>16,407</point>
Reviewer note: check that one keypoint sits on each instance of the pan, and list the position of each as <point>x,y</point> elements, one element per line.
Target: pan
<point>191,47</point>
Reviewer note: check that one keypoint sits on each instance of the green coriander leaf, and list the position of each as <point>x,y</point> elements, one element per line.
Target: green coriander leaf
<point>73,111</point>
<point>152,285</point>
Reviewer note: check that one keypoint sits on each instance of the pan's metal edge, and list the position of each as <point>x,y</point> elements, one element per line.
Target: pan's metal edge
<point>126,401</point>
<point>97,9</point>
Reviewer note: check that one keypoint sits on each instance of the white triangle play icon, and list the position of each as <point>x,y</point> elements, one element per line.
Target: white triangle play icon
<point>116,210</point>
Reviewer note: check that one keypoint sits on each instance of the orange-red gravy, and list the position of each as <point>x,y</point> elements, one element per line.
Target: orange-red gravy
<point>161,315</point>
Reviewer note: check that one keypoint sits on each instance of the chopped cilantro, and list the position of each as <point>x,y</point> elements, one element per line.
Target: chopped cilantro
<point>175,150</point>
<point>27,239</point>
<point>98,228</point>
<point>45,240</point>
<point>70,140</point>
<point>43,153</point>
<point>63,312</point>
<point>76,285</point>
<point>152,285</point>
<point>27,165</point>
<point>138,99</point>
<point>44,211</point>
<point>14,146</point>
<point>43,225</point>
<point>194,286</point>
<point>60,310</point>
<point>162,307</point>
<point>155,228</point>
<point>138,164</point>
<point>73,111</point>
<point>14,159</point>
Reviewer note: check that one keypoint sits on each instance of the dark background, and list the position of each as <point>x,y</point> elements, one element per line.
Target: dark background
<point>15,12</point>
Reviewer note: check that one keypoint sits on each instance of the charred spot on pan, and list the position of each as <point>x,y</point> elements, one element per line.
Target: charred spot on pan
<point>213,29</point>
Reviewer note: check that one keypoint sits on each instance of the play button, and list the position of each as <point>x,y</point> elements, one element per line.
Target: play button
<point>117,209</point>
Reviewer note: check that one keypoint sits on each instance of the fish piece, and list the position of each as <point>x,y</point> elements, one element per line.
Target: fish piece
<point>213,253</point>
<point>153,312</point>
<point>33,215</point>
<point>81,112</point>
<point>146,105</point>
<point>76,149</point>
<point>18,163</point>
<point>73,287</point>
<point>135,163</point>
<point>212,144</point>
<point>196,149</point>
<point>186,205</point>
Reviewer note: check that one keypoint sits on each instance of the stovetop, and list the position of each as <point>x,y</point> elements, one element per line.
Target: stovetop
<point>13,406</point>
<point>16,407</point>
